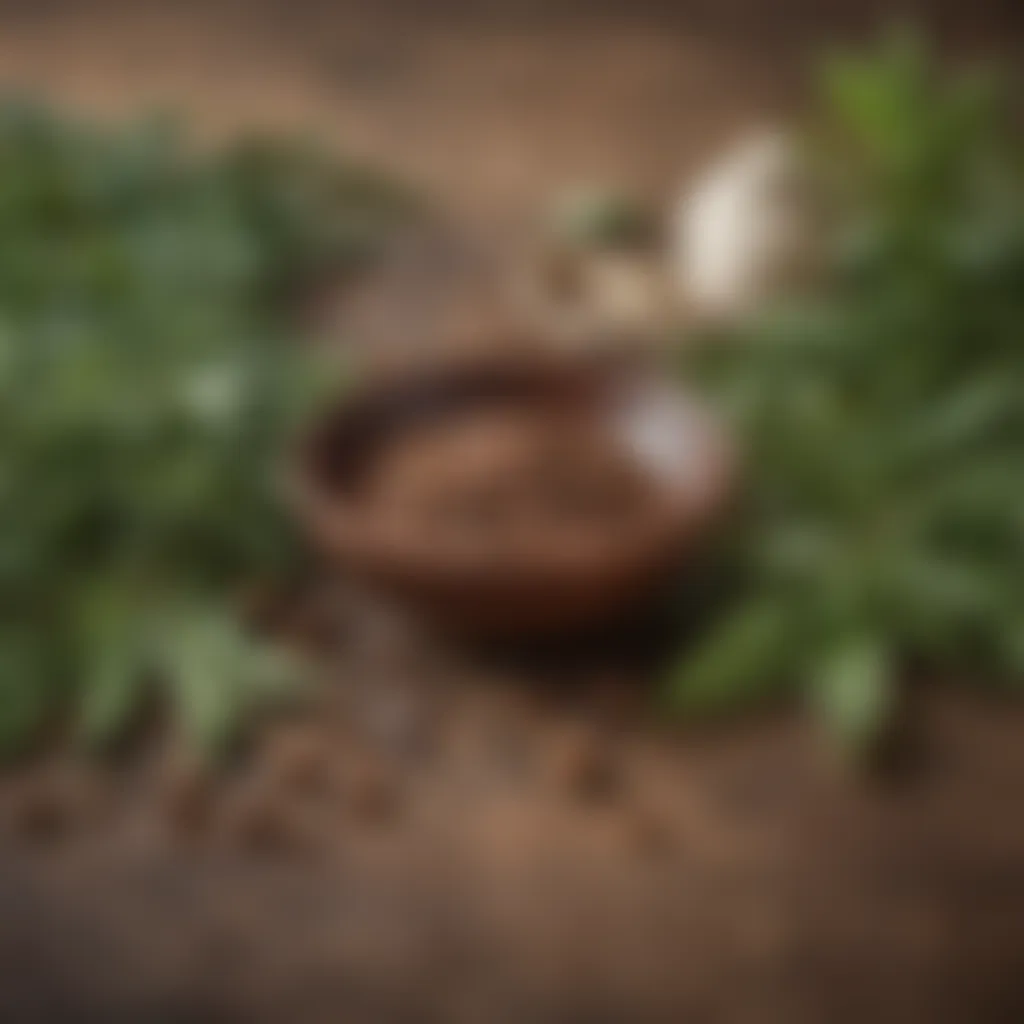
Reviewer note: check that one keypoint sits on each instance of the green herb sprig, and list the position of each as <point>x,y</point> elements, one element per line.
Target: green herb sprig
<point>150,373</point>
<point>883,420</point>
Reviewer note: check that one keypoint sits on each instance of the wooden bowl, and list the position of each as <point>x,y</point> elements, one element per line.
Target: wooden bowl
<point>512,594</point>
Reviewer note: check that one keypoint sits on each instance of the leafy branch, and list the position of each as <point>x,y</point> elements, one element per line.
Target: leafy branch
<point>150,373</point>
<point>882,419</point>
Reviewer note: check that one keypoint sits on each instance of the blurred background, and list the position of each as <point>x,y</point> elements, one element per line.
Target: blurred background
<point>489,104</point>
<point>450,838</point>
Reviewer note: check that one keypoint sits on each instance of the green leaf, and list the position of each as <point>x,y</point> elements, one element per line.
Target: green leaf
<point>852,691</point>
<point>114,683</point>
<point>25,689</point>
<point>739,662</point>
<point>601,218</point>
<point>113,659</point>
<point>217,672</point>
<point>876,98</point>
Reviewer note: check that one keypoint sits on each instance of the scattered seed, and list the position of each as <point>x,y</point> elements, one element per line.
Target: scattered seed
<point>372,791</point>
<point>186,798</point>
<point>582,767</point>
<point>259,824</point>
<point>300,761</point>
<point>41,812</point>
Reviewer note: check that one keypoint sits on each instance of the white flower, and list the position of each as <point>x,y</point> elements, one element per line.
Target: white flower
<point>745,230</point>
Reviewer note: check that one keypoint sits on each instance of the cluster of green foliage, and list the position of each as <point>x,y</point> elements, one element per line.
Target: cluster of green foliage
<point>598,217</point>
<point>150,371</point>
<point>882,421</point>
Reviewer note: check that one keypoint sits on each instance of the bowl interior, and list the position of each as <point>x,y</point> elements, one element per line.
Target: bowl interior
<point>345,447</point>
<point>669,435</point>
<point>664,435</point>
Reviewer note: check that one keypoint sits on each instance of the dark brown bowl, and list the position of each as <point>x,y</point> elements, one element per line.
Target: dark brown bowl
<point>542,593</point>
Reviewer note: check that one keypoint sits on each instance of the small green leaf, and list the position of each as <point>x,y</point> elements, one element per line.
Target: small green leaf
<point>24,692</point>
<point>216,672</point>
<point>601,218</point>
<point>852,690</point>
<point>113,685</point>
<point>740,661</point>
